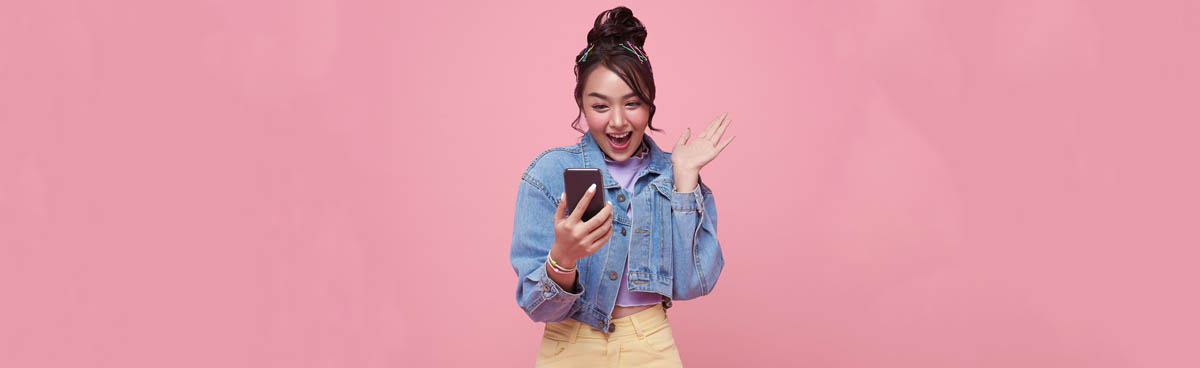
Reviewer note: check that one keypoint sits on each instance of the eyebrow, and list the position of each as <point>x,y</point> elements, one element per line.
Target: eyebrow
<point>596,94</point>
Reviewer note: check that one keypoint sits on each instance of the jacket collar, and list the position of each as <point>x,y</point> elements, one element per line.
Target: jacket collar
<point>593,157</point>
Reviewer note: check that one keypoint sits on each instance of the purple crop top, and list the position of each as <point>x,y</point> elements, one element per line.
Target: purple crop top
<point>624,172</point>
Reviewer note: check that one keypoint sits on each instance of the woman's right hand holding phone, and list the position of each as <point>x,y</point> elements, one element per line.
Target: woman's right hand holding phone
<point>575,238</point>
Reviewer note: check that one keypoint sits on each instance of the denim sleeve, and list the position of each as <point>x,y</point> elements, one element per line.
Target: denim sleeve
<point>697,253</point>
<point>533,233</point>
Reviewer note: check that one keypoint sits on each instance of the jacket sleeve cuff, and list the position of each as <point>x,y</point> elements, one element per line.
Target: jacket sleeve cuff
<point>688,201</point>
<point>551,289</point>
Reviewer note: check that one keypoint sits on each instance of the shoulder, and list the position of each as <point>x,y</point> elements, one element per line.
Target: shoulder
<point>545,170</point>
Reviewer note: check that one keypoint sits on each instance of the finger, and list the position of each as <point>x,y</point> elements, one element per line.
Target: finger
<point>577,213</point>
<point>723,144</point>
<point>595,234</point>
<point>600,242</point>
<point>683,137</point>
<point>603,240</point>
<point>721,131</point>
<point>561,211</point>
<point>713,125</point>
<point>605,215</point>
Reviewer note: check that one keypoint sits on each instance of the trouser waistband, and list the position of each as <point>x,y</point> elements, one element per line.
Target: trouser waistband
<point>640,324</point>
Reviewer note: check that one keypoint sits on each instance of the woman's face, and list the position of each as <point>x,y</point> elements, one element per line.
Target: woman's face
<point>616,117</point>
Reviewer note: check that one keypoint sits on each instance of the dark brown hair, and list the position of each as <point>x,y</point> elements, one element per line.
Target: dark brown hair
<point>612,29</point>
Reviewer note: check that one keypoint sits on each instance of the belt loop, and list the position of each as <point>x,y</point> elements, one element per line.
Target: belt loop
<point>574,334</point>
<point>637,328</point>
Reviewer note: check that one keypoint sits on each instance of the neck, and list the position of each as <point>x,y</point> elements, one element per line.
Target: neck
<point>641,146</point>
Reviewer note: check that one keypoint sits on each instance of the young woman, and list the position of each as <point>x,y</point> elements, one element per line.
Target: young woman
<point>603,285</point>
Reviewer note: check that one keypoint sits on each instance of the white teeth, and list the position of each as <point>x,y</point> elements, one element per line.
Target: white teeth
<point>620,136</point>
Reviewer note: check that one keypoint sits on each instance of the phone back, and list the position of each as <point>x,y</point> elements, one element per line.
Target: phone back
<point>577,181</point>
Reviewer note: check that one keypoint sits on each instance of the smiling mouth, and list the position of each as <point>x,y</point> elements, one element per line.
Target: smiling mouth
<point>620,141</point>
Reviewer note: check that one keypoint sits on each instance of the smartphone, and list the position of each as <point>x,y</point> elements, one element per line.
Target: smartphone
<point>577,182</point>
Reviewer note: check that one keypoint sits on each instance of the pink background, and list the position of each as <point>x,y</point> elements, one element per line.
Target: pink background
<point>315,183</point>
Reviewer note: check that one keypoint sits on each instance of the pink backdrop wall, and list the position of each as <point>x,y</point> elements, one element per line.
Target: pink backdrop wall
<point>327,183</point>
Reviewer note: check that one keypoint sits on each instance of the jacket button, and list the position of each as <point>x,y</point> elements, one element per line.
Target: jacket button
<point>622,231</point>
<point>612,275</point>
<point>611,328</point>
<point>620,197</point>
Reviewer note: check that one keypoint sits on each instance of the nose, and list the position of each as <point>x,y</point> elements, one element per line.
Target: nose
<point>619,121</point>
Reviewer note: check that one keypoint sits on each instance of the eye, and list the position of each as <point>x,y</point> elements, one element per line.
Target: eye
<point>634,104</point>
<point>598,107</point>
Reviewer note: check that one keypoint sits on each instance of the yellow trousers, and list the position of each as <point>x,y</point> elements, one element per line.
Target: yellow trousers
<point>642,339</point>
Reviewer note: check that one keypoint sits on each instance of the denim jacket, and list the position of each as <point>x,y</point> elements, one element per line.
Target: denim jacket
<point>671,244</point>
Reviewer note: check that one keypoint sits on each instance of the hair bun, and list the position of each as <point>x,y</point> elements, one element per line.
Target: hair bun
<point>616,26</point>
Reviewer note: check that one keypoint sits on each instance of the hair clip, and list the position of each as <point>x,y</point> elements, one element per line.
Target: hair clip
<point>585,53</point>
<point>640,57</point>
<point>643,54</point>
<point>631,45</point>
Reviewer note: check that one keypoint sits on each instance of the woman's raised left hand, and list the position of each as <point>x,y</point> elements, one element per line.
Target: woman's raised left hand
<point>693,154</point>
<point>690,155</point>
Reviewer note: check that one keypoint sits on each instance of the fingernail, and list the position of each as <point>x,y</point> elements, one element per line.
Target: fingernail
<point>592,188</point>
<point>563,197</point>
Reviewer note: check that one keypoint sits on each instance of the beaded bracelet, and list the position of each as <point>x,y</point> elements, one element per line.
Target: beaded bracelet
<point>560,269</point>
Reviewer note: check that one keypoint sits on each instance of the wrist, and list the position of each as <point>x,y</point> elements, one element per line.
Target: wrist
<point>559,260</point>
<point>686,180</point>
<point>678,167</point>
